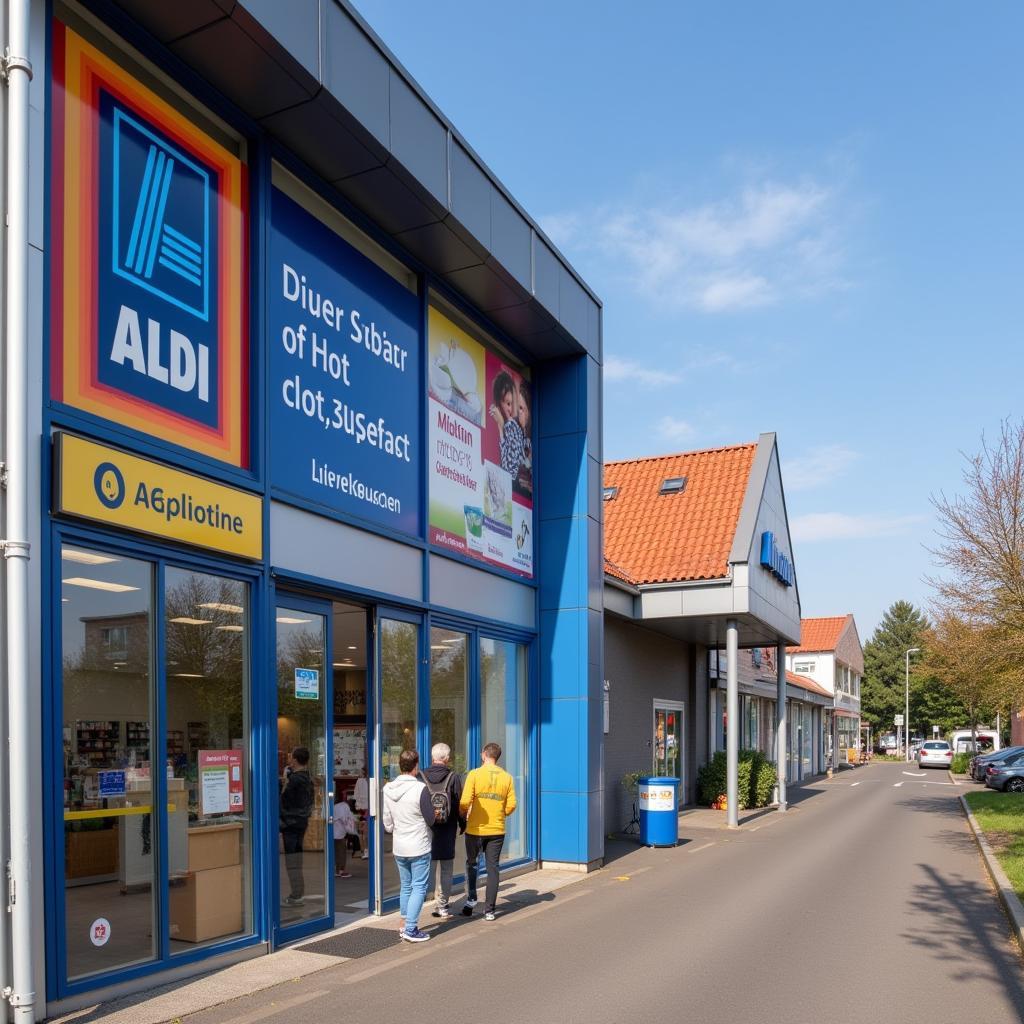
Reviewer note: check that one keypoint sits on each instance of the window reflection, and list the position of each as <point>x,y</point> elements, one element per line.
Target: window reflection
<point>449,674</point>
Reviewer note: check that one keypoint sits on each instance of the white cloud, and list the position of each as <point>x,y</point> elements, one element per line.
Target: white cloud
<point>673,430</point>
<point>821,526</point>
<point>753,248</point>
<point>818,466</point>
<point>616,370</point>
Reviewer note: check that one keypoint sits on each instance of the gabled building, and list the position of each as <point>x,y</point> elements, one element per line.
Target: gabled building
<point>698,559</point>
<point>831,654</point>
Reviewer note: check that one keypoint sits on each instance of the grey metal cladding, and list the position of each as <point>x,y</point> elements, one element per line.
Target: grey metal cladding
<point>295,24</point>
<point>169,21</point>
<point>439,247</point>
<point>387,199</point>
<point>233,62</point>
<point>356,73</point>
<point>471,199</point>
<point>510,239</point>
<point>419,140</point>
<point>572,304</point>
<point>546,270</point>
<point>319,119</point>
<point>484,287</point>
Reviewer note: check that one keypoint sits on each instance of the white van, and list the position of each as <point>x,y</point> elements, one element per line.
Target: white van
<point>988,741</point>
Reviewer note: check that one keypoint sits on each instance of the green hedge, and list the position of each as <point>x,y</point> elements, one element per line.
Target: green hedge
<point>756,781</point>
<point>960,763</point>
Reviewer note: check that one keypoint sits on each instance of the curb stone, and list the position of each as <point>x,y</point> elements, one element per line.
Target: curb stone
<point>1007,896</point>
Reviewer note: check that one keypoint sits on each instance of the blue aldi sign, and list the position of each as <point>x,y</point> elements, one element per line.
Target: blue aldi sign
<point>156,291</point>
<point>772,558</point>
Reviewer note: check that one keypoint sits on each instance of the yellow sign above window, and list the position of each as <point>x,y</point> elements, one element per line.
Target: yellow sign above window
<point>110,487</point>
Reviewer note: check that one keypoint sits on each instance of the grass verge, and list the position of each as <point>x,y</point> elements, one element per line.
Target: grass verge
<point>1001,817</point>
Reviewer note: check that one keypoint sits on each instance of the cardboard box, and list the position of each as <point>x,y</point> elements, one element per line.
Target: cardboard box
<point>91,854</point>
<point>214,846</point>
<point>207,904</point>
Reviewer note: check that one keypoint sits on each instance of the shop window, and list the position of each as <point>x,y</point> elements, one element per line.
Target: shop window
<point>108,710</point>
<point>208,837</point>
<point>449,678</point>
<point>503,720</point>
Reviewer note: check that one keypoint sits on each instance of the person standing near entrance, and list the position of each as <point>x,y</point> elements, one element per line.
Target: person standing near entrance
<point>445,789</point>
<point>488,797</point>
<point>408,816</point>
<point>296,806</point>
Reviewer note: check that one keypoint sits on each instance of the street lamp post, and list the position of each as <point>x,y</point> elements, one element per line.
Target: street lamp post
<point>906,708</point>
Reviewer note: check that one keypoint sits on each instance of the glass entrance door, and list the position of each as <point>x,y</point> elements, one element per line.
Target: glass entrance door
<point>305,783</point>
<point>399,657</point>
<point>668,741</point>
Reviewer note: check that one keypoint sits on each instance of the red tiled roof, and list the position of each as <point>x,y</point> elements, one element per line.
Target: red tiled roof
<point>806,684</point>
<point>611,569</point>
<point>818,635</point>
<point>664,538</point>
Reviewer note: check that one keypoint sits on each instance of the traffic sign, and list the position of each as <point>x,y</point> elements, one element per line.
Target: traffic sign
<point>897,720</point>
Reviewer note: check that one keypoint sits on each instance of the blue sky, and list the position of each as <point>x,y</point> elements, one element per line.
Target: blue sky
<point>800,217</point>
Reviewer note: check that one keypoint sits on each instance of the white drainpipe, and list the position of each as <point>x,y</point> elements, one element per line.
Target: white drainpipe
<point>18,75</point>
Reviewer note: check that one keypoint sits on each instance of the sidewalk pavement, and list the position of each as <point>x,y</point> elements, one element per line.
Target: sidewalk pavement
<point>170,1002</point>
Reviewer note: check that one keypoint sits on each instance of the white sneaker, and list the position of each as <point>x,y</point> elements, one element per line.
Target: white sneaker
<point>365,855</point>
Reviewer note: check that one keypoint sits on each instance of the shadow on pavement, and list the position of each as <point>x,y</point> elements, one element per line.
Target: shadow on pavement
<point>954,914</point>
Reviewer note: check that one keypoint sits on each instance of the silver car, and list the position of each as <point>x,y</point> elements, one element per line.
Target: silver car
<point>935,754</point>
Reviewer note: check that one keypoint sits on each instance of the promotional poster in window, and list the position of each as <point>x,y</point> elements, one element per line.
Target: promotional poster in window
<point>481,454</point>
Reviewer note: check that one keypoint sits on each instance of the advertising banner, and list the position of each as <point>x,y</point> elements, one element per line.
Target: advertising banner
<point>481,455</point>
<point>116,489</point>
<point>344,375</point>
<point>149,307</point>
<point>221,782</point>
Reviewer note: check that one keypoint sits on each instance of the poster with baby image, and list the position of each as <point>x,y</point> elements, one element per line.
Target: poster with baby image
<point>481,452</point>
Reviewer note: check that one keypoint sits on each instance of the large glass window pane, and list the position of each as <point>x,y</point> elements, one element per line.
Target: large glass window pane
<point>110,832</point>
<point>399,663</point>
<point>209,801</point>
<point>302,764</point>
<point>449,679</point>
<point>503,720</point>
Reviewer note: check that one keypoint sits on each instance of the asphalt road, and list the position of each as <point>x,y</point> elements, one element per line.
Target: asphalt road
<point>866,902</point>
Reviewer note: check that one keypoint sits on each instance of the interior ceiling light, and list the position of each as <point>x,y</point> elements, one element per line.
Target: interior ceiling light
<point>232,629</point>
<point>113,588</point>
<point>219,606</point>
<point>352,647</point>
<point>85,557</point>
<point>289,621</point>
<point>186,621</point>
<point>188,675</point>
<point>439,647</point>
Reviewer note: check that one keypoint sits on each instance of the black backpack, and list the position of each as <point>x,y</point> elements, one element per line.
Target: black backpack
<point>441,799</point>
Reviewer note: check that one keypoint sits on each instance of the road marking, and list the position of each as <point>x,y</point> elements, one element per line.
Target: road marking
<point>896,785</point>
<point>699,848</point>
<point>916,775</point>
<point>852,784</point>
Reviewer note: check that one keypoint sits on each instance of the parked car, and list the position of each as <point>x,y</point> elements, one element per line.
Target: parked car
<point>935,754</point>
<point>1006,776</point>
<point>987,740</point>
<point>980,762</point>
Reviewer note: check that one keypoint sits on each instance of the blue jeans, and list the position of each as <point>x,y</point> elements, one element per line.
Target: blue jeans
<point>414,873</point>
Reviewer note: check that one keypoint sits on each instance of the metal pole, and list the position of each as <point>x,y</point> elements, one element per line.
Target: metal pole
<point>21,753</point>
<point>780,724</point>
<point>906,709</point>
<point>732,711</point>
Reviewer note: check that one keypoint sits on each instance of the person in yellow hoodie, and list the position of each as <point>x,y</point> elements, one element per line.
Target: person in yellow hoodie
<point>488,797</point>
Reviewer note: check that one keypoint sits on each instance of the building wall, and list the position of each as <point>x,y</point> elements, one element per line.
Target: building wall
<point>848,648</point>
<point>640,666</point>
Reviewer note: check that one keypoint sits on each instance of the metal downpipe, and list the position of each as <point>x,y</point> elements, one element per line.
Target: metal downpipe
<point>18,75</point>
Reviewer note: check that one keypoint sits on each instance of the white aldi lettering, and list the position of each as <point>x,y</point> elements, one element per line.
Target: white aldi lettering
<point>657,798</point>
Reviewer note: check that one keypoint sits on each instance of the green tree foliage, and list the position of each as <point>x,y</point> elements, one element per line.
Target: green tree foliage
<point>882,691</point>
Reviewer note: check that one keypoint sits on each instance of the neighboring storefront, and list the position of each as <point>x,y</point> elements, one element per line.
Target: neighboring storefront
<point>830,654</point>
<point>697,547</point>
<point>317,467</point>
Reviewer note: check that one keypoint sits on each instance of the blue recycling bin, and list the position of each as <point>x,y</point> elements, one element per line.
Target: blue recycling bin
<point>659,810</point>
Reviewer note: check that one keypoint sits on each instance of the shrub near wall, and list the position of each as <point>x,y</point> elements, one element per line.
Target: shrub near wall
<point>755,783</point>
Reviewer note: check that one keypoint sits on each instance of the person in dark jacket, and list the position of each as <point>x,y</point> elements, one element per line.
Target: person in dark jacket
<point>296,808</point>
<point>442,780</point>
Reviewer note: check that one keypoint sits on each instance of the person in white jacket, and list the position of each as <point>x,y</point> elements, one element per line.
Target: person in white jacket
<point>409,817</point>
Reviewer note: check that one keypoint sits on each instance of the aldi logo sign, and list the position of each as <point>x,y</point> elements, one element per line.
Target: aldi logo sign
<point>148,266</point>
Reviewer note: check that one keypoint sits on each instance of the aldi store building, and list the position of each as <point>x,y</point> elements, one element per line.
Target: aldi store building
<point>302,446</point>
